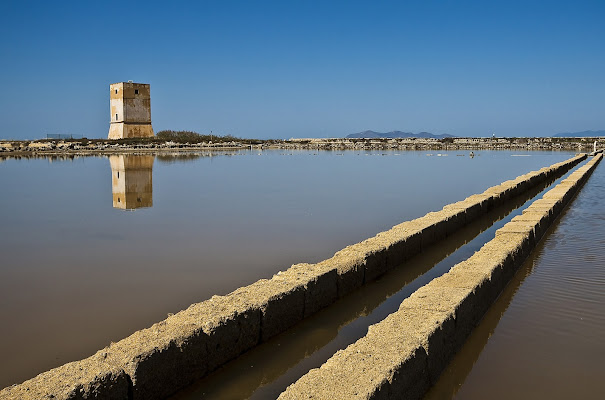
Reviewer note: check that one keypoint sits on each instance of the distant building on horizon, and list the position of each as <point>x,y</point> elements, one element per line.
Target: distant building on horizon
<point>130,107</point>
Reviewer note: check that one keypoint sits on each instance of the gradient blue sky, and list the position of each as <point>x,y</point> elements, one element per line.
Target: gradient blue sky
<point>281,69</point>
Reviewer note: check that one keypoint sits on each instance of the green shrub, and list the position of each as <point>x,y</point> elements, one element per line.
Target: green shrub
<point>194,137</point>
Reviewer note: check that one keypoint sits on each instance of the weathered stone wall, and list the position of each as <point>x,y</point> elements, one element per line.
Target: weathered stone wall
<point>130,110</point>
<point>125,130</point>
<point>157,361</point>
<point>403,355</point>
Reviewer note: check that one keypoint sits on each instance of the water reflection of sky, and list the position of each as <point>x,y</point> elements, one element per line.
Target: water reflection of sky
<point>76,267</point>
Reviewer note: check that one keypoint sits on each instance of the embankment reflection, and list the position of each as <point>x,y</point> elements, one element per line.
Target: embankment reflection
<point>132,176</point>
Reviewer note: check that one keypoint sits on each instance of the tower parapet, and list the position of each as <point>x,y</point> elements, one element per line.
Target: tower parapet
<point>130,107</point>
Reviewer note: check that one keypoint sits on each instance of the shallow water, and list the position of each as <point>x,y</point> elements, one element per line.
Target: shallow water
<point>79,271</point>
<point>543,338</point>
<point>267,370</point>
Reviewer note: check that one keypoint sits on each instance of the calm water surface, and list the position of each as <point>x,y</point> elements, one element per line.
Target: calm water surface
<point>95,248</point>
<point>545,336</point>
<point>266,371</point>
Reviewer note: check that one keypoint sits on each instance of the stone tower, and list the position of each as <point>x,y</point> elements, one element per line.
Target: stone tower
<point>130,105</point>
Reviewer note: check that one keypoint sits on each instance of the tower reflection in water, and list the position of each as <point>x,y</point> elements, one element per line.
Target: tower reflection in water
<point>131,181</point>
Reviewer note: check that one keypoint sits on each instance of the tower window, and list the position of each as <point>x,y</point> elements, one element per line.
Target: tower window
<point>116,117</point>
<point>136,91</point>
<point>116,91</point>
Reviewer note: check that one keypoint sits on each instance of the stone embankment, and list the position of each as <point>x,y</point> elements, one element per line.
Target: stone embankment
<point>46,148</point>
<point>158,361</point>
<point>97,146</point>
<point>543,143</point>
<point>403,355</point>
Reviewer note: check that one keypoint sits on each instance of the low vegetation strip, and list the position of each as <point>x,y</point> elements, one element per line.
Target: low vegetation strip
<point>157,361</point>
<point>403,355</point>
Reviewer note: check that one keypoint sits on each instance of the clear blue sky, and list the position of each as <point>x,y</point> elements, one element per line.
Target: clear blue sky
<point>286,69</point>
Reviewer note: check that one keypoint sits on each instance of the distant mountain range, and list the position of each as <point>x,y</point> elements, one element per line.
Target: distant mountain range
<point>397,134</point>
<point>581,134</point>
